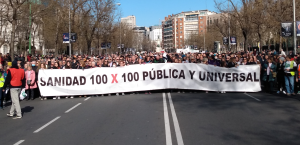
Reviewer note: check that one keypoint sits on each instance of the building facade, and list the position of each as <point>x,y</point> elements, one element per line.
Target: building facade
<point>21,35</point>
<point>21,40</point>
<point>130,21</point>
<point>155,33</point>
<point>141,34</point>
<point>156,36</point>
<point>176,28</point>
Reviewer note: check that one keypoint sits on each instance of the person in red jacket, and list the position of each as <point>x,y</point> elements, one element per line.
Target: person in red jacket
<point>28,58</point>
<point>15,80</point>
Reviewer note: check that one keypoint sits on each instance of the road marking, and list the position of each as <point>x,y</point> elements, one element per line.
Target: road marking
<point>38,130</point>
<point>87,98</point>
<point>73,108</point>
<point>252,97</point>
<point>19,142</point>
<point>167,122</point>
<point>175,121</point>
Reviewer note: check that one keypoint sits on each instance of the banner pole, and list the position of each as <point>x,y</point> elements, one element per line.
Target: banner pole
<point>295,34</point>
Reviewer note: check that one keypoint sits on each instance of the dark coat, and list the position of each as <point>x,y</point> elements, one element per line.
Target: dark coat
<point>158,61</point>
<point>280,72</point>
<point>265,75</point>
<point>231,64</point>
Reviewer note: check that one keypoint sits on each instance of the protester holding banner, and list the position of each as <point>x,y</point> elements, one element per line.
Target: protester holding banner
<point>268,76</point>
<point>41,67</point>
<point>30,83</point>
<point>55,66</point>
<point>232,63</point>
<point>68,65</point>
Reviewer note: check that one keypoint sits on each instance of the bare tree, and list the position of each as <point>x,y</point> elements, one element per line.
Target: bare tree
<point>241,11</point>
<point>101,11</point>
<point>12,11</point>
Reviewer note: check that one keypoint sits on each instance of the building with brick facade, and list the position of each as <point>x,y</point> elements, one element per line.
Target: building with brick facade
<point>176,28</point>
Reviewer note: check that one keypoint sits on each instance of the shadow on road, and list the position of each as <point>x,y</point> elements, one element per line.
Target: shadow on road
<point>27,109</point>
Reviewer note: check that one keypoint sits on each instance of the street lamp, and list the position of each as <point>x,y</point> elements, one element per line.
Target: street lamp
<point>228,28</point>
<point>29,46</point>
<point>295,34</point>
<point>119,4</point>
<point>70,46</point>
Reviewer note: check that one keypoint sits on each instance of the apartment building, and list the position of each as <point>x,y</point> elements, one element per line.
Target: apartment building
<point>129,21</point>
<point>155,33</point>
<point>156,36</point>
<point>176,28</point>
<point>141,33</point>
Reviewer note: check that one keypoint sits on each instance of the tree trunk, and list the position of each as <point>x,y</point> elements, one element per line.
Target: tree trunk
<point>259,37</point>
<point>12,38</point>
<point>245,42</point>
<point>56,34</point>
<point>280,42</point>
<point>89,44</point>
<point>33,44</point>
<point>269,43</point>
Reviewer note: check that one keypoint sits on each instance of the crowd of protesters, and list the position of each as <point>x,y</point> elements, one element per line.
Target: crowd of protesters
<point>278,69</point>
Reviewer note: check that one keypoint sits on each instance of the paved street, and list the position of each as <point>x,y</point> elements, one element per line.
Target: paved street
<point>157,119</point>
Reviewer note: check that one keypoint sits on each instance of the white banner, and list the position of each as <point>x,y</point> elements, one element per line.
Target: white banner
<point>149,77</point>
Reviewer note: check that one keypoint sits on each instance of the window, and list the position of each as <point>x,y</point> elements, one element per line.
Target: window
<point>201,26</point>
<point>201,22</point>
<point>180,32</point>
<point>180,27</point>
<point>201,17</point>
<point>180,36</point>
<point>180,19</point>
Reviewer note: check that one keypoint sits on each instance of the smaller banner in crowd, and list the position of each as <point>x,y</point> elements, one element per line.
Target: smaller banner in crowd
<point>149,77</point>
<point>298,28</point>
<point>287,29</point>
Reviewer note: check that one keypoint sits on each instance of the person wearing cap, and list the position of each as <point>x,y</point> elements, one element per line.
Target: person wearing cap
<point>16,81</point>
